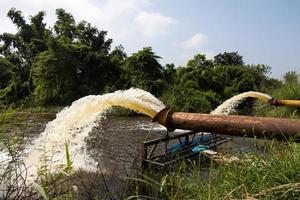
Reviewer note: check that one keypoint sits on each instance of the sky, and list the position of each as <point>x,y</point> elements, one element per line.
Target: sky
<point>262,31</point>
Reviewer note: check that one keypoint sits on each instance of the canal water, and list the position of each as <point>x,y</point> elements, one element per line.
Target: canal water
<point>115,143</point>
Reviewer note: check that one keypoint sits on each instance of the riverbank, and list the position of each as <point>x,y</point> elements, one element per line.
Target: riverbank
<point>276,176</point>
<point>25,121</point>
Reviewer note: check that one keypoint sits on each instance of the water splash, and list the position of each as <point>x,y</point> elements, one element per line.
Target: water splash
<point>230,105</point>
<point>74,123</point>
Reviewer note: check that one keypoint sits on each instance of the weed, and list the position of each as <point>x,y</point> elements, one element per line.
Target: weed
<point>276,176</point>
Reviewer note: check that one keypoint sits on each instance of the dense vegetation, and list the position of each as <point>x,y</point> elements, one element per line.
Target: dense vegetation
<point>47,66</point>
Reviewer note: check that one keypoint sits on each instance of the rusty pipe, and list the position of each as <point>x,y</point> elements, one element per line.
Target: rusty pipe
<point>279,102</point>
<point>260,127</point>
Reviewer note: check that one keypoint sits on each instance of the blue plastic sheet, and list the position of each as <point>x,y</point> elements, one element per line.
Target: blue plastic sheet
<point>199,148</point>
<point>178,146</point>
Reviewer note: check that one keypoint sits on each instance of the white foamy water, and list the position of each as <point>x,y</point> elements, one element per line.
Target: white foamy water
<point>4,159</point>
<point>73,124</point>
<point>155,127</point>
<point>230,105</point>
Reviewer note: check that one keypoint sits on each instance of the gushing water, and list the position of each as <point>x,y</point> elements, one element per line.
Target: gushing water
<point>73,124</point>
<point>230,105</point>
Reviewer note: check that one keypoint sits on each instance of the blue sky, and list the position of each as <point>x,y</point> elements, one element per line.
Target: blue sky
<point>263,31</point>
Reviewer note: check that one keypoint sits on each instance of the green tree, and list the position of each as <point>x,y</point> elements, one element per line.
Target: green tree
<point>231,58</point>
<point>20,50</point>
<point>54,74</point>
<point>60,64</point>
<point>199,61</point>
<point>291,77</point>
<point>65,24</point>
<point>143,70</point>
<point>6,72</point>
<point>76,64</point>
<point>169,74</point>
<point>215,83</point>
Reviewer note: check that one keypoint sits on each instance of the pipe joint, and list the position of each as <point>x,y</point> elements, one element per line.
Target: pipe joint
<point>163,118</point>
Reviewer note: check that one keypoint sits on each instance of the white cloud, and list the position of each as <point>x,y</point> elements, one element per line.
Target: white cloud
<point>192,46</point>
<point>126,21</point>
<point>105,14</point>
<point>153,24</point>
<point>194,42</point>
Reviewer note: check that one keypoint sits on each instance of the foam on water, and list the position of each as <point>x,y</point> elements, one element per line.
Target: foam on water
<point>73,124</point>
<point>230,105</point>
<point>4,159</point>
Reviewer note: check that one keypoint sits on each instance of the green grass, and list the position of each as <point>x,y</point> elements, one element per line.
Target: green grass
<point>274,177</point>
<point>55,185</point>
<point>40,109</point>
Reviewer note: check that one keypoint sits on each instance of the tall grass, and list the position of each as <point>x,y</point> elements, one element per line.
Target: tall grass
<point>55,185</point>
<point>14,183</point>
<point>276,176</point>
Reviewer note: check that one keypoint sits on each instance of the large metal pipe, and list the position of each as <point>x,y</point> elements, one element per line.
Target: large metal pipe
<point>284,102</point>
<point>260,127</point>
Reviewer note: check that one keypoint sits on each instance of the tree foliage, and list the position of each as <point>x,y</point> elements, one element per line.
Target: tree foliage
<point>55,66</point>
<point>143,70</point>
<point>213,82</point>
<point>228,58</point>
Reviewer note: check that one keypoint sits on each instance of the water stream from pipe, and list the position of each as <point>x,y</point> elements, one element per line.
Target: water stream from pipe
<point>230,105</point>
<point>73,125</point>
